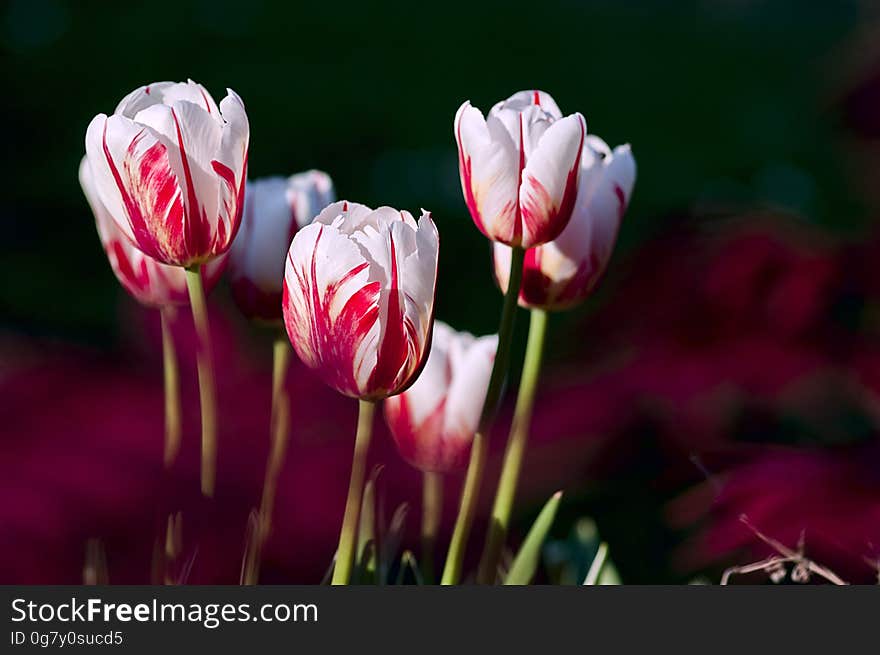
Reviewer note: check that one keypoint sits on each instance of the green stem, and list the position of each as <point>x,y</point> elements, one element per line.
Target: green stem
<point>516,445</point>
<point>348,534</point>
<point>207,392</point>
<point>479,449</point>
<point>432,508</point>
<point>172,389</point>
<point>280,431</point>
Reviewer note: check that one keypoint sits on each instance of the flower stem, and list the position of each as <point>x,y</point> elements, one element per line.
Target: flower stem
<point>432,508</point>
<point>280,431</point>
<point>516,445</point>
<point>207,392</point>
<point>172,389</point>
<point>479,449</point>
<point>348,534</point>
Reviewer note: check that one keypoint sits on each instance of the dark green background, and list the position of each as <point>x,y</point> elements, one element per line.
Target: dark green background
<point>723,102</point>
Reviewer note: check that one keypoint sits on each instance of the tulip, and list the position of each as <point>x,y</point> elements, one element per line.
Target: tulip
<point>275,209</point>
<point>358,305</point>
<point>557,275</point>
<point>565,271</point>
<point>169,166</point>
<point>359,297</point>
<point>519,173</point>
<point>519,167</point>
<point>434,421</point>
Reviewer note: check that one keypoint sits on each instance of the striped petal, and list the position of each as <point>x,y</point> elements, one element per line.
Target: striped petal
<point>549,181</point>
<point>520,100</point>
<point>166,93</point>
<point>230,165</point>
<point>356,307</point>
<point>136,183</point>
<point>489,167</point>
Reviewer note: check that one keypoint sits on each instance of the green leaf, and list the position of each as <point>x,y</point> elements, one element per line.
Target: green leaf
<point>598,565</point>
<point>526,561</point>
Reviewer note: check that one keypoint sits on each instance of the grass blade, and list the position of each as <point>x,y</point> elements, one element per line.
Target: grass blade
<point>526,562</point>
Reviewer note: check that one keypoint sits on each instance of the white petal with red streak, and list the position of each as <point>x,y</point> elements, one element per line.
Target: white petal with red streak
<point>493,158</point>
<point>127,142</point>
<point>522,99</point>
<point>548,174</point>
<point>167,93</point>
<point>233,152</point>
<point>419,275</point>
<point>345,215</point>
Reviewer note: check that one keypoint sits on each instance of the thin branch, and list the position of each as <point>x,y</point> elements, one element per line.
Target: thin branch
<point>775,565</point>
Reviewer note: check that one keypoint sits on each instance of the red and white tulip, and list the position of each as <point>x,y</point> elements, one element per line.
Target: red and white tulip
<point>170,165</point>
<point>359,297</point>
<point>434,421</point>
<point>565,271</point>
<point>148,281</point>
<point>275,209</point>
<point>519,167</point>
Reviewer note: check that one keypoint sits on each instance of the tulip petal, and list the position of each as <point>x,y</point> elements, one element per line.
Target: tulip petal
<point>420,276</point>
<point>231,163</point>
<point>166,93</point>
<point>471,362</point>
<point>352,214</point>
<point>522,99</point>
<point>136,183</point>
<point>501,265</point>
<point>308,193</point>
<point>397,333</point>
<point>489,163</point>
<point>259,250</point>
<point>549,181</point>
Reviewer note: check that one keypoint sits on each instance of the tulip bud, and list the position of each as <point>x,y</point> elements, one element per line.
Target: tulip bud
<point>151,283</point>
<point>565,271</point>
<point>274,209</point>
<point>359,297</point>
<point>519,167</point>
<point>434,421</point>
<point>170,166</point>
